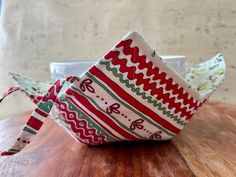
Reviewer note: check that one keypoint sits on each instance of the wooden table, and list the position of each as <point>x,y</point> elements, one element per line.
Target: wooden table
<point>206,147</point>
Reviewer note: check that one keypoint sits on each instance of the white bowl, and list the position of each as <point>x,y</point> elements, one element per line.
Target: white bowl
<point>61,70</point>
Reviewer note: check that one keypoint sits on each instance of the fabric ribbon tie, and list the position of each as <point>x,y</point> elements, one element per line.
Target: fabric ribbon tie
<point>36,120</point>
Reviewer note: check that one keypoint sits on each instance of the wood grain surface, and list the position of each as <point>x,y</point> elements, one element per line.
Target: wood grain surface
<point>208,143</point>
<point>206,147</point>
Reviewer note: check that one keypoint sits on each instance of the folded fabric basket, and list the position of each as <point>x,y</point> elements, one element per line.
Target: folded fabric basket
<point>130,94</point>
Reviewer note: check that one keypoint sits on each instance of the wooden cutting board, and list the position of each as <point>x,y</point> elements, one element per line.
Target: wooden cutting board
<point>206,147</point>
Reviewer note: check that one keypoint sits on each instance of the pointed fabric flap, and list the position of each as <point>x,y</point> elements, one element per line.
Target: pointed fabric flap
<point>207,76</point>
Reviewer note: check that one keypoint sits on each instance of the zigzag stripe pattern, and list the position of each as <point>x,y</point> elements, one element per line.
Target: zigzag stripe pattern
<point>135,58</point>
<point>127,106</point>
<point>143,95</point>
<point>160,95</point>
<point>125,76</point>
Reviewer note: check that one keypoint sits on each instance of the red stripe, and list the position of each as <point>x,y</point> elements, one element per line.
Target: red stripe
<point>66,117</point>
<point>134,52</point>
<point>82,131</point>
<point>128,98</point>
<point>40,112</point>
<point>104,128</point>
<point>8,92</point>
<point>155,91</point>
<point>34,123</point>
<point>148,85</point>
<point>101,115</point>
<point>7,153</point>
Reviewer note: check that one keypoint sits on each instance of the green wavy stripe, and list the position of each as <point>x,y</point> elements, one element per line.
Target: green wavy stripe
<point>113,117</point>
<point>82,116</point>
<point>127,106</point>
<point>164,110</point>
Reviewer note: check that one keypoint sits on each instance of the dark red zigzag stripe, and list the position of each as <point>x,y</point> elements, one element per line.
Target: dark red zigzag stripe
<point>100,114</point>
<point>144,64</point>
<point>132,101</point>
<point>153,86</point>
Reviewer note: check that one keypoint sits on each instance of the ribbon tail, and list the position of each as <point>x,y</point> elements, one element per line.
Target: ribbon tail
<point>9,91</point>
<point>36,119</point>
